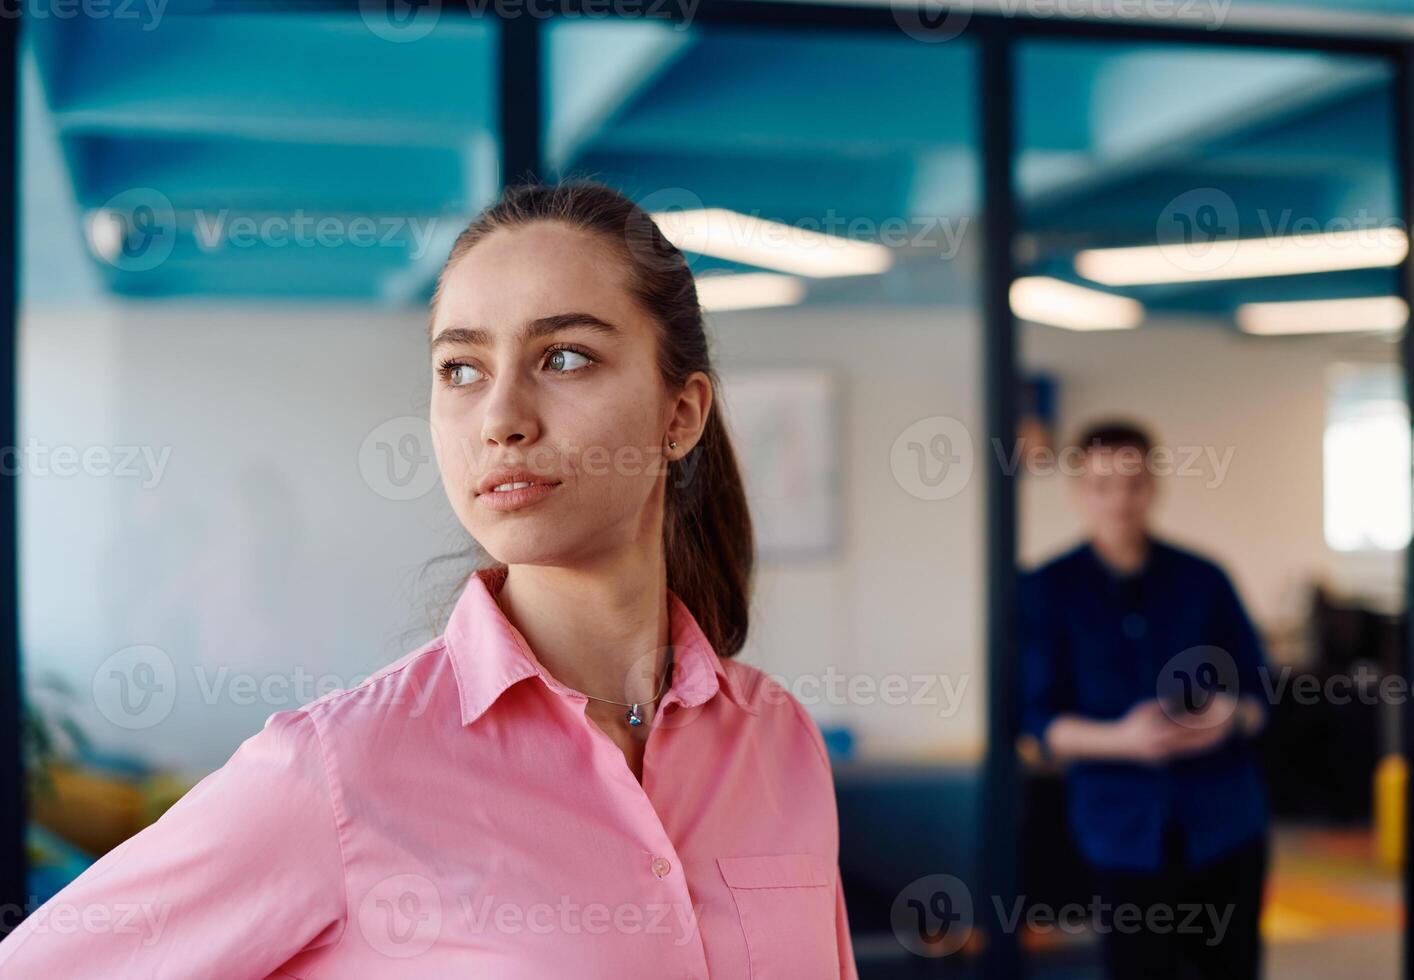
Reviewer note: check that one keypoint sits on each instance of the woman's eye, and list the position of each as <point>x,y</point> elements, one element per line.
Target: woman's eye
<point>460,374</point>
<point>566,360</point>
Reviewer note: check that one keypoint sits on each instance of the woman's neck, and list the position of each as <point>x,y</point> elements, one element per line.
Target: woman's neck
<point>603,632</point>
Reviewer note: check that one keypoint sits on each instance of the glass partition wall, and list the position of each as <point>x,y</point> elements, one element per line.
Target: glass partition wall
<point>1217,268</point>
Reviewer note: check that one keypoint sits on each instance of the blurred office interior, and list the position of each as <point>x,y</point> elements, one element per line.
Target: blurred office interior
<point>231,221</point>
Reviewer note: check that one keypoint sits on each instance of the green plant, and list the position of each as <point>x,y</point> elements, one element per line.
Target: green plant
<point>49,732</point>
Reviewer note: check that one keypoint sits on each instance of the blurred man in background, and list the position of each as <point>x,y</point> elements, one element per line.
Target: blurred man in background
<point>1141,672</point>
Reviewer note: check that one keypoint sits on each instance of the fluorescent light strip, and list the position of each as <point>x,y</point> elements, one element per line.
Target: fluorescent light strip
<point>1042,299</point>
<point>1244,258</point>
<point>1368,313</point>
<point>748,290</point>
<point>770,244</point>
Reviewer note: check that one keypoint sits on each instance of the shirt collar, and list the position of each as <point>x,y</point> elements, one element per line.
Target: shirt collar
<point>1152,559</point>
<point>489,654</point>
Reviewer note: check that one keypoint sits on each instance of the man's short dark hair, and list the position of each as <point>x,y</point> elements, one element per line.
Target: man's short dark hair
<point>1114,434</point>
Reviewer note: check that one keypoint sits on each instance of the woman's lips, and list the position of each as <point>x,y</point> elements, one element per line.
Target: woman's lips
<point>516,499</point>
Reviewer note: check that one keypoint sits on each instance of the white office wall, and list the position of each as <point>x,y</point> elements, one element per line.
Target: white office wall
<point>262,563</point>
<point>902,602</point>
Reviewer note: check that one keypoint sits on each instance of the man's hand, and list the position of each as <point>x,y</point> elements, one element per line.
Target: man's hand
<point>1150,734</point>
<point>1147,734</point>
<point>1209,727</point>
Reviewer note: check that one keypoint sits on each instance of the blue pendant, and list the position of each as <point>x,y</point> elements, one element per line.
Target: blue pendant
<point>635,718</point>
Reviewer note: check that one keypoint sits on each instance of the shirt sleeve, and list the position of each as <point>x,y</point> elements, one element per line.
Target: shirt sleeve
<point>239,875</point>
<point>848,969</point>
<point>1044,664</point>
<point>1239,637</point>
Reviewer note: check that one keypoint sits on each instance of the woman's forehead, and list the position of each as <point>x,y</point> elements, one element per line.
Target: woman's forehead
<point>542,252</point>
<point>517,275</point>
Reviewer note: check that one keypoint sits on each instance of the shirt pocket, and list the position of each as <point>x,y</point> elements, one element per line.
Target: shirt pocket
<point>787,907</point>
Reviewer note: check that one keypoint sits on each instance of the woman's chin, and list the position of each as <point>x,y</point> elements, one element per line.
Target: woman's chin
<point>523,549</point>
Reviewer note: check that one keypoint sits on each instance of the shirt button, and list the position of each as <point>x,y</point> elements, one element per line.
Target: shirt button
<point>661,866</point>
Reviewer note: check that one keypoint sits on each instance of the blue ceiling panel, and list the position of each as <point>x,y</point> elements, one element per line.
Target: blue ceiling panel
<point>292,155</point>
<point>855,97</point>
<point>244,174</point>
<point>287,118</point>
<point>305,78</point>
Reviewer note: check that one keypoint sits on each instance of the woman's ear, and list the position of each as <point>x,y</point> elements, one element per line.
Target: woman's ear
<point>689,413</point>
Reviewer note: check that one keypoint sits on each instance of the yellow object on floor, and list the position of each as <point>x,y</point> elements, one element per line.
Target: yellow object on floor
<point>1391,778</point>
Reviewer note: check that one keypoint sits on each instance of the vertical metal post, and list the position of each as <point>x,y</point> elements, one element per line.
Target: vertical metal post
<point>1000,876</point>
<point>521,108</point>
<point>13,812</point>
<point>1403,104</point>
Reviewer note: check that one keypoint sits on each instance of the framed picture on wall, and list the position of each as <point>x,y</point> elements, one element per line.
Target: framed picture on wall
<point>785,428</point>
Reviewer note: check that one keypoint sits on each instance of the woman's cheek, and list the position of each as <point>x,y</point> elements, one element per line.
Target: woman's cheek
<point>452,449</point>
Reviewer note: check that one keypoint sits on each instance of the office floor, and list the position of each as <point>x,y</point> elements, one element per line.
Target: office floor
<point>1331,909</point>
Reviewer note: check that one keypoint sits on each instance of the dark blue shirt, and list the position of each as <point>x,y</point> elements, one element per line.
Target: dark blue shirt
<point>1095,643</point>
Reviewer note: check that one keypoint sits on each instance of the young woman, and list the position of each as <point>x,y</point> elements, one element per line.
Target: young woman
<point>575,778</point>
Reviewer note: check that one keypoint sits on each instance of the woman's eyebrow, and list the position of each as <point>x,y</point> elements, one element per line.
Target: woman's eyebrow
<point>530,331</point>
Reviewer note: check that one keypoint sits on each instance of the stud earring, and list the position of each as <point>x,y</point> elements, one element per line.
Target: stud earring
<point>672,445</point>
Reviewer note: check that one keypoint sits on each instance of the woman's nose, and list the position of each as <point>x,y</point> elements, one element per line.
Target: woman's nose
<point>510,417</point>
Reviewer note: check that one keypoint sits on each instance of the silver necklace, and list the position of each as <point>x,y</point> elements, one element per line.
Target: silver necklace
<point>634,716</point>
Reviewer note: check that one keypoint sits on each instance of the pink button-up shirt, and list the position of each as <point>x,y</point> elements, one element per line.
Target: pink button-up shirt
<point>458,815</point>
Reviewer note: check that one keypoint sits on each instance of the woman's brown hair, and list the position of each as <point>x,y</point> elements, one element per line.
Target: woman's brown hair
<point>707,537</point>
